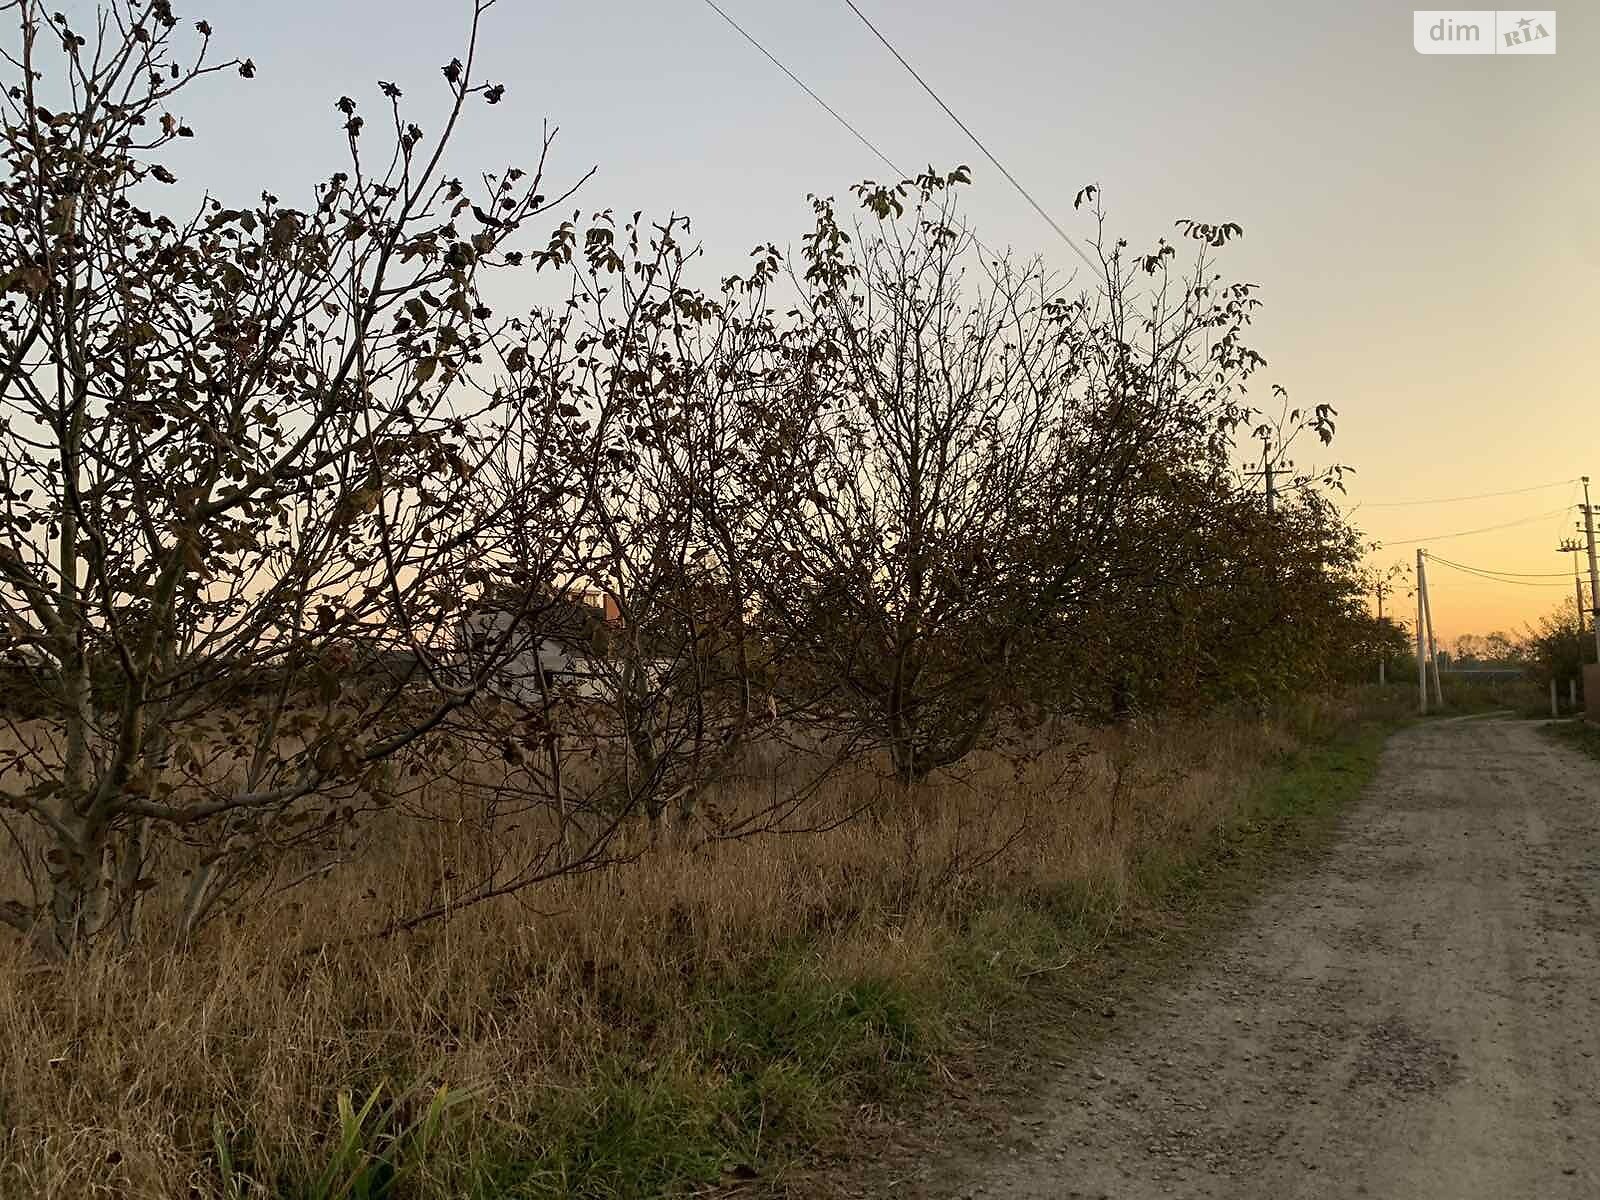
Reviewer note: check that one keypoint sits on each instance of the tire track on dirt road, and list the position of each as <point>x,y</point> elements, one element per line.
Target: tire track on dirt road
<point>1417,1017</point>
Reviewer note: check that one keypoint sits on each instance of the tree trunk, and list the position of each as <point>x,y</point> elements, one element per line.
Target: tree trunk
<point>82,888</point>
<point>130,888</point>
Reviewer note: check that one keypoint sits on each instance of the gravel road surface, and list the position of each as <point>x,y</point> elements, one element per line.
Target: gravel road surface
<point>1418,1017</point>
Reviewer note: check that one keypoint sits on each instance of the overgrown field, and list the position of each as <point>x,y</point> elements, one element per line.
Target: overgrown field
<point>1523,697</point>
<point>702,1015</point>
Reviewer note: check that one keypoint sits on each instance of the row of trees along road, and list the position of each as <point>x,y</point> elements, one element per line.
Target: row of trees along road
<point>889,502</point>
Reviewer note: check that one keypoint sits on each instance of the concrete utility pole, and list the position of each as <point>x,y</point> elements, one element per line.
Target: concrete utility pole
<point>1433,646</point>
<point>1574,547</point>
<point>1594,567</point>
<point>1422,662</point>
<point>1382,653</point>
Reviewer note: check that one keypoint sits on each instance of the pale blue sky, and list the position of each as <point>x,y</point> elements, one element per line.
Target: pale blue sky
<point>1424,227</point>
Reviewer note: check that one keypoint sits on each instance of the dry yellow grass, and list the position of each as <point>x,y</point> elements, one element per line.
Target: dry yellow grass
<point>114,1070</point>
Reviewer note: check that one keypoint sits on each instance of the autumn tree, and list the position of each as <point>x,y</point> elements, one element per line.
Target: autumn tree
<point>1261,593</point>
<point>1553,648</point>
<point>967,457</point>
<point>240,449</point>
<point>656,370</point>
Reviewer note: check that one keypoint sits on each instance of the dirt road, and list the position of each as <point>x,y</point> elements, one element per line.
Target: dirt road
<point>1417,1018</point>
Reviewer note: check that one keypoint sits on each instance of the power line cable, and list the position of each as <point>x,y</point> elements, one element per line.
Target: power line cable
<point>1497,571</point>
<point>1572,503</point>
<point>976,140</point>
<point>1062,233</point>
<point>803,86</point>
<point>829,109</point>
<point>1541,487</point>
<point>1439,537</point>
<point>1495,578</point>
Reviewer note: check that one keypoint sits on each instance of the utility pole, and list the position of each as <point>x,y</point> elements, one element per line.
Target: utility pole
<point>1267,471</point>
<point>1574,547</point>
<point>1421,658</point>
<point>1382,652</point>
<point>1433,646</point>
<point>1594,567</point>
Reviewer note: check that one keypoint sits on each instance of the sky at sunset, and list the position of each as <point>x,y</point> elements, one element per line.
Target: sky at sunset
<point>1424,228</point>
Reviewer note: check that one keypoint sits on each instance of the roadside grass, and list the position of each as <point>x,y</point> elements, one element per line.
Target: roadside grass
<point>1291,808</point>
<point>1579,734</point>
<point>1287,815</point>
<point>1471,696</point>
<point>1462,697</point>
<point>699,1020</point>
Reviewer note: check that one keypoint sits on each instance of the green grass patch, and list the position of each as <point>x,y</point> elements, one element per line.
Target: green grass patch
<point>779,1058</point>
<point>1292,808</point>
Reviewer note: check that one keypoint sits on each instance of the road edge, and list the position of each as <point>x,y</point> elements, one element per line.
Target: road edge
<point>988,1083</point>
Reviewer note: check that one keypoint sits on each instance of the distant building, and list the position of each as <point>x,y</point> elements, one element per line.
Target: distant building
<point>556,644</point>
